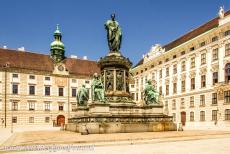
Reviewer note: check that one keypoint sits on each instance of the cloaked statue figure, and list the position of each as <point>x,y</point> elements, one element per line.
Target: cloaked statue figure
<point>97,89</point>
<point>82,96</point>
<point>150,94</point>
<point>114,35</point>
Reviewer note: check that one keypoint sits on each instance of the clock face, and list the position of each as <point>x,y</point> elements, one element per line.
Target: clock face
<point>60,68</point>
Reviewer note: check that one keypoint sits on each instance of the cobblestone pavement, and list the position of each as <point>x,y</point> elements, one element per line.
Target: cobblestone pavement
<point>204,146</point>
<point>66,137</point>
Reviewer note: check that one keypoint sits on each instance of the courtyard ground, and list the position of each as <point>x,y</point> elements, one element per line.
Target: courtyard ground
<point>122,142</point>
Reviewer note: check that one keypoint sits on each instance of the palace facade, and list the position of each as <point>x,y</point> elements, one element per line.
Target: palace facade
<point>192,74</point>
<point>38,89</point>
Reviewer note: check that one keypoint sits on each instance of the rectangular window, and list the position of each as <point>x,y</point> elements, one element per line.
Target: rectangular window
<point>160,90</point>
<point>202,116</point>
<point>215,78</point>
<point>192,101</point>
<point>47,119</point>
<point>174,104</point>
<point>227,114</point>
<point>227,96</point>
<point>74,81</point>
<point>191,116</point>
<point>15,88</point>
<point>203,58</point>
<point>183,86</point>
<point>192,83</point>
<point>214,115</point>
<point>47,90</point>
<point>31,77</point>
<point>167,89</point>
<point>202,44</point>
<point>227,49</point>
<point>86,81</point>
<point>215,38</point>
<point>192,62</point>
<point>160,74</point>
<point>14,106</point>
<point>215,54</point>
<point>60,91</point>
<point>175,69</point>
<point>31,119</point>
<point>167,71</point>
<point>183,66</point>
<point>226,33</point>
<point>47,78</point>
<point>15,75</point>
<point>182,105</point>
<point>31,106</point>
<point>174,87</point>
<point>60,107</point>
<point>174,117</point>
<point>31,89</point>
<point>14,119</point>
<point>214,98</point>
<point>47,106</point>
<point>203,81</point>
<point>202,100</point>
<point>74,92</point>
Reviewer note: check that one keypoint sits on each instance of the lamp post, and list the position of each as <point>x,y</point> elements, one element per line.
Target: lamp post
<point>5,67</point>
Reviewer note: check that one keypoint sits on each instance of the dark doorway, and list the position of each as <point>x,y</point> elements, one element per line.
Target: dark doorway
<point>183,118</point>
<point>60,120</point>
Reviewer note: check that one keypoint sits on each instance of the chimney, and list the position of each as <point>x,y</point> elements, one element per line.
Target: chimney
<point>21,49</point>
<point>85,57</point>
<point>73,56</point>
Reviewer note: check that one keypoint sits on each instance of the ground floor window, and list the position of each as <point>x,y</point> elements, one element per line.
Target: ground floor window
<point>227,114</point>
<point>174,116</point>
<point>202,116</point>
<point>31,119</point>
<point>14,119</point>
<point>47,119</point>
<point>191,116</point>
<point>214,115</point>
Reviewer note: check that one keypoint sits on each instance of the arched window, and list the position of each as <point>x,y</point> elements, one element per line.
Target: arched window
<point>227,72</point>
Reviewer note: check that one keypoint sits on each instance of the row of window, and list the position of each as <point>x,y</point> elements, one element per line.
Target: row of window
<point>31,119</point>
<point>47,78</point>
<point>202,100</point>
<point>203,56</point>
<point>32,89</point>
<point>202,115</point>
<point>32,106</point>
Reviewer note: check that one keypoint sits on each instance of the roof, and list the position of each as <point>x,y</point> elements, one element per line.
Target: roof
<point>192,34</point>
<point>42,62</point>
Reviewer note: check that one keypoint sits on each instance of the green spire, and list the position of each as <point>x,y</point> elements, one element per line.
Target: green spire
<point>57,48</point>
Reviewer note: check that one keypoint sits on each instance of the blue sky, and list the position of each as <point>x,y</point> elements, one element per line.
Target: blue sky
<point>31,23</point>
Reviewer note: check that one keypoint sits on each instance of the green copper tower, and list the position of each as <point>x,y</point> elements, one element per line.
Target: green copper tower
<point>57,48</point>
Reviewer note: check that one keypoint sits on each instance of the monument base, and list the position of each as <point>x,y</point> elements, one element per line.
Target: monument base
<point>121,118</point>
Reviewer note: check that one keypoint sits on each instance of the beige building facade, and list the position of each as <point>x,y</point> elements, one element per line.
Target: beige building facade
<point>192,74</point>
<point>40,90</point>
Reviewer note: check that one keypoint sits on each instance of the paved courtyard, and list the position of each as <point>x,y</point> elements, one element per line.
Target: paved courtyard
<point>148,142</point>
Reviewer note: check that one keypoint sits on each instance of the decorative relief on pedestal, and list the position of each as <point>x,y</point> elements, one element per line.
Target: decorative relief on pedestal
<point>109,80</point>
<point>119,80</point>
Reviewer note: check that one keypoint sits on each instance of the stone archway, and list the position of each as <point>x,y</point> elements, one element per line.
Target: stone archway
<point>60,120</point>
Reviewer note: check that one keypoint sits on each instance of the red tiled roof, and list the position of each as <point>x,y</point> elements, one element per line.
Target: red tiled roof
<point>192,34</point>
<point>41,62</point>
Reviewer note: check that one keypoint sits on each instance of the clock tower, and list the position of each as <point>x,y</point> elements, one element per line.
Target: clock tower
<point>57,48</point>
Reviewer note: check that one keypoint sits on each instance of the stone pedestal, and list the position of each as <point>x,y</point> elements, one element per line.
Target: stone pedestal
<point>99,108</point>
